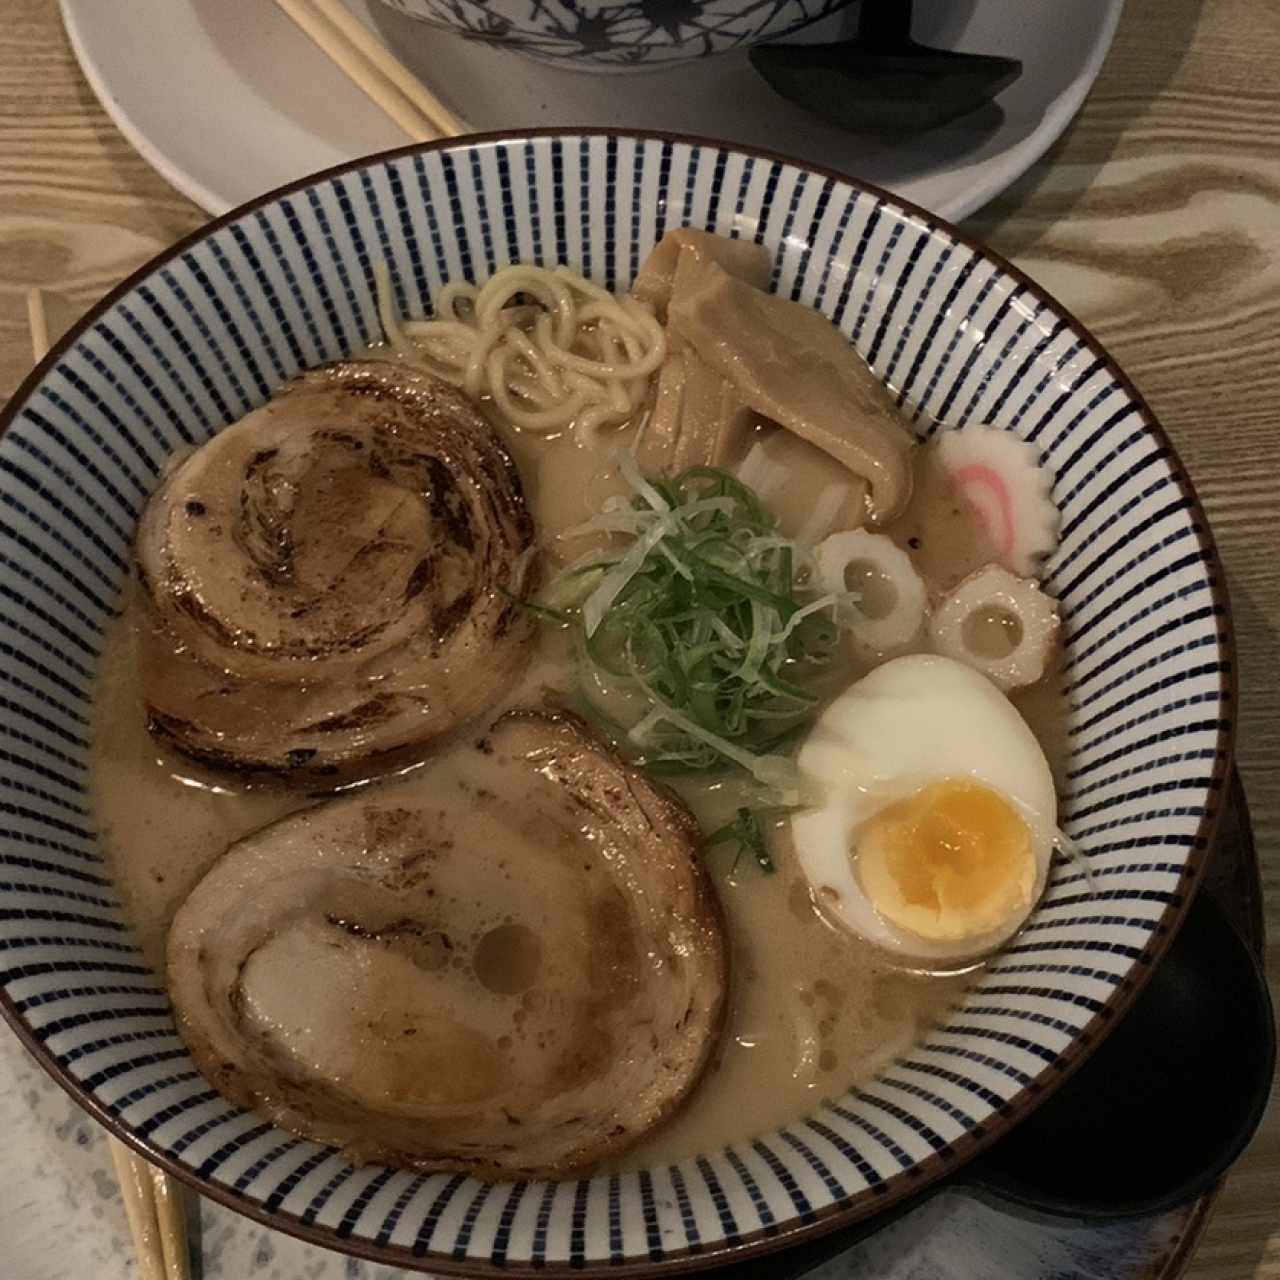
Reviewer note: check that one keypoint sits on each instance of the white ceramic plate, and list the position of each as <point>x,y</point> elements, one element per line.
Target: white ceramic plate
<point>227,99</point>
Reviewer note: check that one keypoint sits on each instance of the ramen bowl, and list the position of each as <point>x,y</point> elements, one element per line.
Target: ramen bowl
<point>207,331</point>
<point>622,35</point>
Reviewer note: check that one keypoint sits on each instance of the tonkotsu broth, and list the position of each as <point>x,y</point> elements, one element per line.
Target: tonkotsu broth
<point>812,1010</point>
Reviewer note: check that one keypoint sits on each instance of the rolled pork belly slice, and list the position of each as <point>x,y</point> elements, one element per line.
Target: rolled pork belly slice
<point>512,963</point>
<point>336,577</point>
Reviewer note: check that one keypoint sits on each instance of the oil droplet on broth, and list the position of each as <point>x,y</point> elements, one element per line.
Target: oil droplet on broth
<point>507,959</point>
<point>991,633</point>
<point>877,593</point>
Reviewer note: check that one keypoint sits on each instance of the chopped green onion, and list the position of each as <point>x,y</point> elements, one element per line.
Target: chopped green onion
<point>745,830</point>
<point>559,616</point>
<point>699,605</point>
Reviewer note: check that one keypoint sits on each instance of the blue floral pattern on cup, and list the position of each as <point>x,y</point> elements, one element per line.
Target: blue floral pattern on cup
<point>635,33</point>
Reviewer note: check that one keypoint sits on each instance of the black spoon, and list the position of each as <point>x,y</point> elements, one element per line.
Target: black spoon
<point>1152,1120</point>
<point>882,81</point>
<point>1171,1098</point>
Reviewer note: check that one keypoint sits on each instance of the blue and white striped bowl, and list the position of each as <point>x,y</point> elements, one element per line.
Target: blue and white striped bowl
<point>207,332</point>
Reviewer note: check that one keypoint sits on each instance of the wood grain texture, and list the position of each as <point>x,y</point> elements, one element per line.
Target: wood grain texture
<point>1156,219</point>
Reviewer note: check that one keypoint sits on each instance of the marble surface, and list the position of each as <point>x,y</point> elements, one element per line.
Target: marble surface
<point>61,1218</point>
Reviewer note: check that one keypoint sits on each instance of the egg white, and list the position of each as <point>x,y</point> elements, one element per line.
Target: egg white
<point>913,721</point>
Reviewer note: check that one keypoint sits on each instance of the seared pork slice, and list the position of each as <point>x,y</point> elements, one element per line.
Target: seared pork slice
<point>335,576</point>
<point>512,964</point>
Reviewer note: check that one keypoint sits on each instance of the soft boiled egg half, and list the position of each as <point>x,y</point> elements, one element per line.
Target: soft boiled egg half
<point>935,814</point>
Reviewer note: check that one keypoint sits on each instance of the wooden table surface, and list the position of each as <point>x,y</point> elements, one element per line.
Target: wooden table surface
<point>1156,219</point>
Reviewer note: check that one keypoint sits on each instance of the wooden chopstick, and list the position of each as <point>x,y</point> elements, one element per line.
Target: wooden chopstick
<point>38,323</point>
<point>387,82</point>
<point>172,1221</point>
<point>372,48</point>
<point>139,1207</point>
<point>152,1200</point>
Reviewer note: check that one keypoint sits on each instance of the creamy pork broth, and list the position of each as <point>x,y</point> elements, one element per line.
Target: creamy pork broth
<point>812,1010</point>
<point>830,646</point>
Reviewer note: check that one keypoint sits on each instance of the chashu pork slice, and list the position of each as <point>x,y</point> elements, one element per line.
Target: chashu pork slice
<point>336,576</point>
<point>512,964</point>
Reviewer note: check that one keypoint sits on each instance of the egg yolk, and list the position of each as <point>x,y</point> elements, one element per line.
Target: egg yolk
<point>952,861</point>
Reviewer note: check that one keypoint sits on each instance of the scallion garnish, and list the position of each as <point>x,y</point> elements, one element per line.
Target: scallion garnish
<point>705,613</point>
<point>745,831</point>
